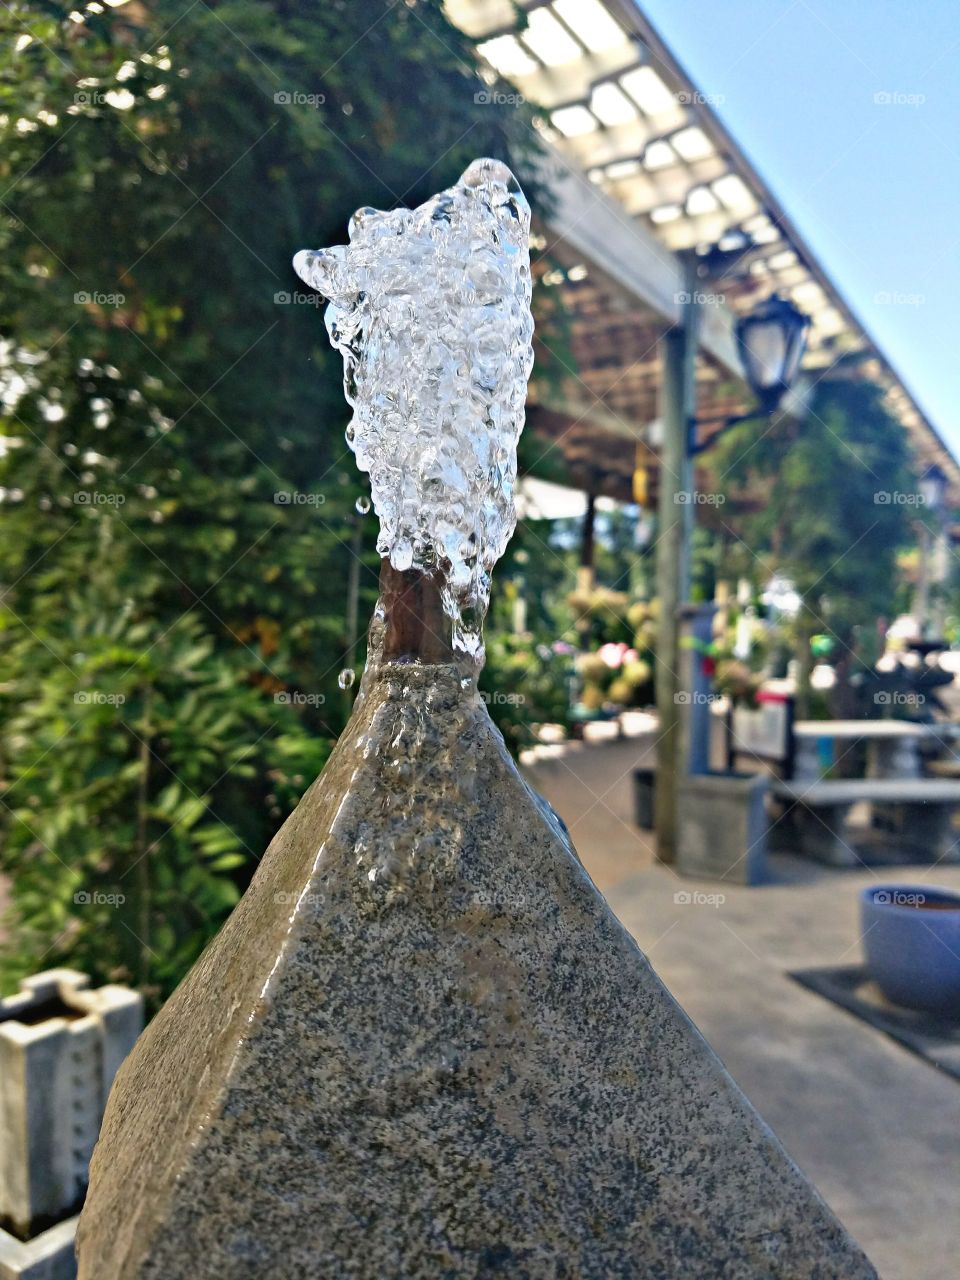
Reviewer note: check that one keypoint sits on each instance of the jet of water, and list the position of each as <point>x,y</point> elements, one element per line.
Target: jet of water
<point>430,308</point>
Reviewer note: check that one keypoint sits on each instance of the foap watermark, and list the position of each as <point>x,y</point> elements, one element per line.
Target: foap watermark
<point>96,898</point>
<point>700,298</point>
<point>86,298</point>
<point>283,298</point>
<point>694,698</point>
<point>898,698</point>
<point>89,98</point>
<point>487,898</point>
<point>898,98</point>
<point>896,298</point>
<point>97,698</point>
<point>694,498</point>
<point>899,898</point>
<point>898,498</point>
<point>495,98</point>
<point>98,498</point>
<point>284,898</point>
<point>296,498</point>
<point>294,98</point>
<point>498,699</point>
<point>694,98</point>
<point>695,898</point>
<point>294,698</point>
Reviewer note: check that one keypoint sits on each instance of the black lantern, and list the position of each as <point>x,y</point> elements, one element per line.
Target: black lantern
<point>771,342</point>
<point>933,487</point>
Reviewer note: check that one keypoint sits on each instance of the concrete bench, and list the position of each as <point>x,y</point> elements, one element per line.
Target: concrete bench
<point>916,811</point>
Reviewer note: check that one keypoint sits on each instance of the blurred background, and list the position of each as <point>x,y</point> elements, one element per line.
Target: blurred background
<point>737,533</point>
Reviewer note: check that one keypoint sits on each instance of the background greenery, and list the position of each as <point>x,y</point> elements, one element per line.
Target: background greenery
<point>825,518</point>
<point>180,539</point>
<point>178,512</point>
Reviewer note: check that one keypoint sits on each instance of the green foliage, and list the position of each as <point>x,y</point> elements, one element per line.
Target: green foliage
<point>525,682</point>
<point>178,497</point>
<point>829,519</point>
<point>142,784</point>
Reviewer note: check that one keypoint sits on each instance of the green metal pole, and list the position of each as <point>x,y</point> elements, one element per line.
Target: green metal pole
<point>675,519</point>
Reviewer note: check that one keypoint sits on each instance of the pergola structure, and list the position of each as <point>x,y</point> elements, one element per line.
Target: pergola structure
<point>663,234</point>
<point>643,174</point>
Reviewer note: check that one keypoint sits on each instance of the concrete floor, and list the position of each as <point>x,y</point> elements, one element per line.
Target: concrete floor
<point>875,1128</point>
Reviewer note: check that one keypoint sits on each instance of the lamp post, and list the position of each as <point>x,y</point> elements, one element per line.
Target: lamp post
<point>933,488</point>
<point>770,341</point>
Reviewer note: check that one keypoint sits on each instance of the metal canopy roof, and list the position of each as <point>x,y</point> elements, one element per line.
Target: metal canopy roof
<point>620,112</point>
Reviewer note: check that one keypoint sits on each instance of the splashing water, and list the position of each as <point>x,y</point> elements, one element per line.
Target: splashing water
<point>430,308</point>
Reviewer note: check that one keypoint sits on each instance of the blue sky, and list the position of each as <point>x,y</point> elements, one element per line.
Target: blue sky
<point>873,187</point>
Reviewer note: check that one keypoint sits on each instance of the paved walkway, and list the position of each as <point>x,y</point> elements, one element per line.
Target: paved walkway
<point>875,1128</point>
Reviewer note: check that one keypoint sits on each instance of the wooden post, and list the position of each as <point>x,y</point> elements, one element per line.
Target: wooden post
<point>587,536</point>
<point>585,574</point>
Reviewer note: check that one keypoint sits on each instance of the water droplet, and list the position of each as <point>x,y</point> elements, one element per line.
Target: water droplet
<point>402,557</point>
<point>363,505</point>
<point>346,678</point>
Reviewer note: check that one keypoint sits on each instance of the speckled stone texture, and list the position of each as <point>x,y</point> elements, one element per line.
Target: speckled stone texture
<point>422,1046</point>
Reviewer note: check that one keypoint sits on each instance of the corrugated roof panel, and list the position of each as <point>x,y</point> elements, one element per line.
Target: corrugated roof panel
<point>665,162</point>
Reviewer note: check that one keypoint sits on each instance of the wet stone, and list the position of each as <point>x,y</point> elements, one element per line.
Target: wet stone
<point>459,1066</point>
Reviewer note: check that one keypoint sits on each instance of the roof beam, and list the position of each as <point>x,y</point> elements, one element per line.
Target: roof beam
<point>623,249</point>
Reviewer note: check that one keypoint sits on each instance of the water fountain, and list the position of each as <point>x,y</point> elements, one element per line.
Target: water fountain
<point>447,1058</point>
<point>430,309</point>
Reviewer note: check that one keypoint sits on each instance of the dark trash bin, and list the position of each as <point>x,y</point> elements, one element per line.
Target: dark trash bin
<point>644,782</point>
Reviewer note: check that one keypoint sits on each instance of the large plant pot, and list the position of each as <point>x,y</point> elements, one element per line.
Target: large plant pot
<point>722,827</point>
<point>911,940</point>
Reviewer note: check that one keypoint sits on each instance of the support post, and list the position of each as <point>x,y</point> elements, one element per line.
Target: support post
<point>585,575</point>
<point>675,512</point>
<point>923,580</point>
<point>696,717</point>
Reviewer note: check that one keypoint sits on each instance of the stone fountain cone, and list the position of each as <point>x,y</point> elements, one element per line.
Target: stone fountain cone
<point>423,1046</point>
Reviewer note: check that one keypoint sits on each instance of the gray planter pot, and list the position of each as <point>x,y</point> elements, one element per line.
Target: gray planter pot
<point>722,827</point>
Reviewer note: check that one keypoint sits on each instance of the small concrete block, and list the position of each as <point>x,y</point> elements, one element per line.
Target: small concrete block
<point>821,832</point>
<point>55,1074</point>
<point>50,1256</point>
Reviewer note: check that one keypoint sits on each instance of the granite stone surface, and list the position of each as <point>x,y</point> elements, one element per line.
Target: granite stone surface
<point>423,1047</point>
